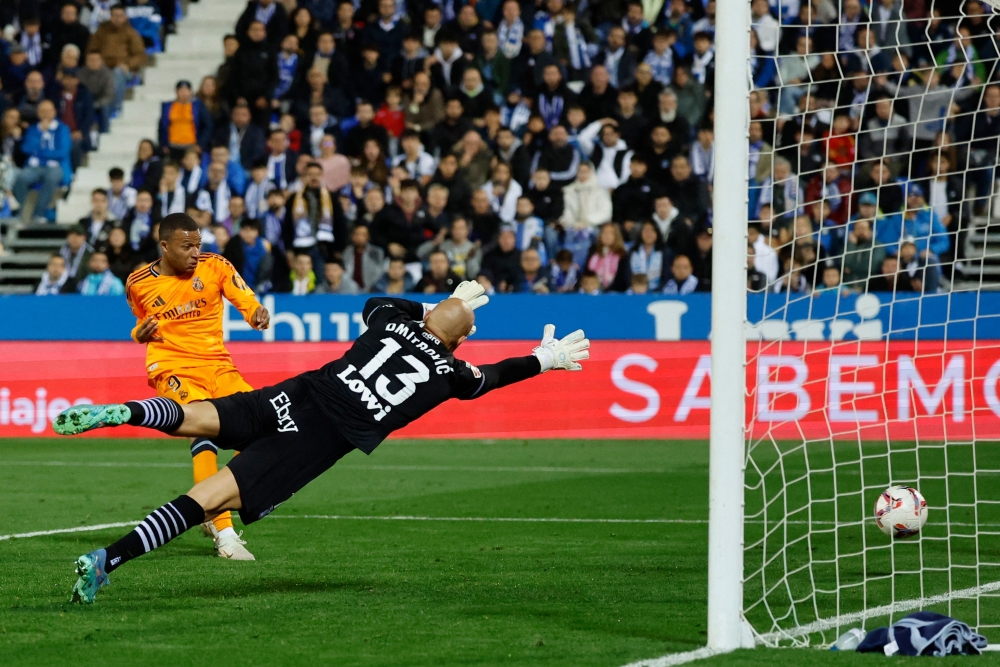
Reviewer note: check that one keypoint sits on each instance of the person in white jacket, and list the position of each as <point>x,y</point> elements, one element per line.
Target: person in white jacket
<point>587,206</point>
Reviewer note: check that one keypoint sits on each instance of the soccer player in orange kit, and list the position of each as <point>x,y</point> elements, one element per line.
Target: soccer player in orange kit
<point>178,304</point>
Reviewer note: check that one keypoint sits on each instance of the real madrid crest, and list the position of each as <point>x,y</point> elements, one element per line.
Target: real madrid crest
<point>197,284</point>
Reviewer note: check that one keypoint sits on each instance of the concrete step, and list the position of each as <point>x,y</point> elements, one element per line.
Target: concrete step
<point>16,289</point>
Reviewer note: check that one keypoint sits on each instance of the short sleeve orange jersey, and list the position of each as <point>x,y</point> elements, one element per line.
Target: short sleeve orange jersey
<point>189,311</point>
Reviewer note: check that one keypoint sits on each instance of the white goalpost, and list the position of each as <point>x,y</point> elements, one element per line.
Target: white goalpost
<point>726,456</point>
<point>833,385</point>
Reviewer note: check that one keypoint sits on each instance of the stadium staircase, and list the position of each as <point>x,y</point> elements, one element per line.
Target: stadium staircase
<point>195,51</point>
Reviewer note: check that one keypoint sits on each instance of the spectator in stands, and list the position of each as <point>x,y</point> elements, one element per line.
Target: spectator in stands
<point>336,280</point>
<point>100,281</point>
<point>250,253</point>
<point>619,62</point>
<point>302,276</point>
<point>502,264</point>
<point>68,30</point>
<point>364,263</point>
<point>122,50</point>
<point>485,222</point>
<point>46,147</point>
<point>589,283</point>
<point>100,222</point>
<point>246,141</point>
<point>121,197</point>
<point>648,256</point>
<point>148,167</point>
<point>439,278</point>
<point>15,71</point>
<point>463,254</point>
<point>75,108</point>
<point>99,80</point>
<point>32,96</point>
<point>314,222</point>
<point>608,259</point>
<point>890,278</point>
<point>396,280</point>
<point>254,72</point>
<point>534,278</point>
<point>138,222</point>
<point>280,160</point>
<point>459,194</point>
<point>76,251</point>
<point>270,14</point>
<point>184,123</point>
<point>681,280</point>
<point>216,194</point>
<point>587,206</point>
<point>56,279</point>
<point>121,259</point>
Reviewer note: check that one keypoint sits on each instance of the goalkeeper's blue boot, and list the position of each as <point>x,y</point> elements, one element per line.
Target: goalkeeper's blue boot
<point>93,577</point>
<point>83,418</point>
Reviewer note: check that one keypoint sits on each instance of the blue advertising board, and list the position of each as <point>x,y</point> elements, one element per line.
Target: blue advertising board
<point>826,316</point>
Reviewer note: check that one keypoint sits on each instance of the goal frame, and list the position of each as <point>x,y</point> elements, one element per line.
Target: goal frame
<point>727,453</point>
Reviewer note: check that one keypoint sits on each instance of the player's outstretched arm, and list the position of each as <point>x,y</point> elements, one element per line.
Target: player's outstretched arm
<point>162,414</point>
<point>551,354</point>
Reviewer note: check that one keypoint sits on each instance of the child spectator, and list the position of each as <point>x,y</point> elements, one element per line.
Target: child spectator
<point>590,283</point>
<point>608,261</point>
<point>564,273</point>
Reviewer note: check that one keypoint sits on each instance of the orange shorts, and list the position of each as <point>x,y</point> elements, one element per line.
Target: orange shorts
<point>186,385</point>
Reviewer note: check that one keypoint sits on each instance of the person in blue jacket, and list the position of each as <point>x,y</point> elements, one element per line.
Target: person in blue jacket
<point>917,223</point>
<point>184,122</point>
<point>47,146</point>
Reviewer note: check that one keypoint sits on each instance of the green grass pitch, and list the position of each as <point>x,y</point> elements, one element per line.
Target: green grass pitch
<point>340,591</point>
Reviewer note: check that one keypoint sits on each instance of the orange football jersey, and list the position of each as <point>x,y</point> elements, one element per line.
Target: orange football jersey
<point>189,311</point>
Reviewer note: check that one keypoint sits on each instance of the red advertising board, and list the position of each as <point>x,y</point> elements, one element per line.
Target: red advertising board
<point>628,389</point>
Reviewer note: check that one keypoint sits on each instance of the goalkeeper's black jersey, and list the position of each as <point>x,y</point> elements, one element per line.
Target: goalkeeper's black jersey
<point>394,373</point>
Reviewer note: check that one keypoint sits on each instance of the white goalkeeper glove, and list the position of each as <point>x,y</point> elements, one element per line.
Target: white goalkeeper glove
<point>564,353</point>
<point>472,293</point>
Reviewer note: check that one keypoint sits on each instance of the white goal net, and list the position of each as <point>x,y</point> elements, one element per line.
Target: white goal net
<point>873,323</point>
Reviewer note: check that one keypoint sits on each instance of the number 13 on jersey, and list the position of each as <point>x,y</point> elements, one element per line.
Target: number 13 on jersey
<point>408,380</point>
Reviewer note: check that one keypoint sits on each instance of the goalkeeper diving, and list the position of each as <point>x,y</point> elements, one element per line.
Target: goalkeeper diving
<point>401,368</point>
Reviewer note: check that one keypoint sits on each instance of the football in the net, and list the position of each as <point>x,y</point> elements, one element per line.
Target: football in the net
<point>900,512</point>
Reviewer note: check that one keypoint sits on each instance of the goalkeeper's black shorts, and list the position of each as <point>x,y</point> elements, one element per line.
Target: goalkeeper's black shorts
<point>284,442</point>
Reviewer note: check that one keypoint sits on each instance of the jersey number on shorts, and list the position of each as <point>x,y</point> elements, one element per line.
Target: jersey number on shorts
<point>409,380</point>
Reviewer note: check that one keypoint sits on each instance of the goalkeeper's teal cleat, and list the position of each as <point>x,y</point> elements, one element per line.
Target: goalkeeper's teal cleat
<point>83,418</point>
<point>93,577</point>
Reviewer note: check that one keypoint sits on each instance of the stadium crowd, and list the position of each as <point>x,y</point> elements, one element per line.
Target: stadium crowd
<point>537,146</point>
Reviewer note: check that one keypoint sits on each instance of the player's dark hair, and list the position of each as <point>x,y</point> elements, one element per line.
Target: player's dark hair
<point>177,222</point>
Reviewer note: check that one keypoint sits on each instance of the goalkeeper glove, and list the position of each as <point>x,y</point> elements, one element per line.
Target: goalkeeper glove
<point>472,293</point>
<point>564,353</point>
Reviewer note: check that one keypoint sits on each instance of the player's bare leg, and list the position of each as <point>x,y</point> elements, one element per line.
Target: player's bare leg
<point>162,414</point>
<point>204,501</point>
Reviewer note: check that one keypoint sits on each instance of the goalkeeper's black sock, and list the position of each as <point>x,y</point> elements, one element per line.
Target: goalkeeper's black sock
<point>163,414</point>
<point>156,530</point>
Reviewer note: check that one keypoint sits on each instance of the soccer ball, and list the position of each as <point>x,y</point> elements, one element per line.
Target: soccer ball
<point>900,512</point>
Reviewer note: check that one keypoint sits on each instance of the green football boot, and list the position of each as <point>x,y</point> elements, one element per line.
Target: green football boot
<point>83,418</point>
<point>93,577</point>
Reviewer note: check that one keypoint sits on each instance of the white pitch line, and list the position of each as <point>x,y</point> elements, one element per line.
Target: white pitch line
<point>77,529</point>
<point>435,468</point>
<point>676,658</point>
